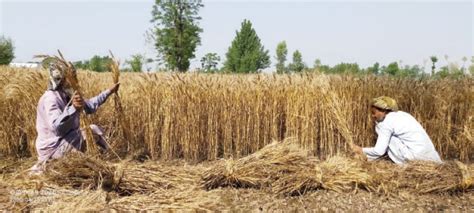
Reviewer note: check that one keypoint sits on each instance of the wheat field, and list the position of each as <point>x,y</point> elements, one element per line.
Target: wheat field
<point>206,142</point>
<point>198,117</point>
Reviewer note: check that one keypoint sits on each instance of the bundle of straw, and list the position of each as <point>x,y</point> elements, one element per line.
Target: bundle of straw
<point>84,201</point>
<point>79,171</point>
<point>299,183</point>
<point>141,179</point>
<point>342,174</point>
<point>259,169</point>
<point>149,177</point>
<point>427,177</point>
<point>287,170</point>
<point>338,174</point>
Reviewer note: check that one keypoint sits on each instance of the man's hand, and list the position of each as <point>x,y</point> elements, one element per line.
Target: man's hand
<point>77,101</point>
<point>357,149</point>
<point>115,88</point>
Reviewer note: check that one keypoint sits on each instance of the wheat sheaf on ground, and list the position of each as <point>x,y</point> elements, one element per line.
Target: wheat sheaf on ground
<point>259,169</point>
<point>283,168</point>
<point>78,171</point>
<point>89,183</point>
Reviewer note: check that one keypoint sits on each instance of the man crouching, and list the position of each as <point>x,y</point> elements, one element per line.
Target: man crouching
<point>58,119</point>
<point>400,135</point>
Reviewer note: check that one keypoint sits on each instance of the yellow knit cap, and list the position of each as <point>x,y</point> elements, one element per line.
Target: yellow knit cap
<point>384,102</point>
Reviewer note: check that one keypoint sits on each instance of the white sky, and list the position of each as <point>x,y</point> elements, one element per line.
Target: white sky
<point>338,31</point>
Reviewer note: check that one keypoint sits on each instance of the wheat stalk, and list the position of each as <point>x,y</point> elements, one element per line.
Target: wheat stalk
<point>120,115</point>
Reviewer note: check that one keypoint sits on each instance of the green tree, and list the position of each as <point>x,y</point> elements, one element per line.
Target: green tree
<point>176,31</point>
<point>464,60</point>
<point>410,71</point>
<point>100,64</point>
<point>6,51</point>
<point>471,68</point>
<point>433,60</point>
<point>375,69</point>
<point>345,68</point>
<point>246,54</point>
<point>392,69</point>
<point>324,68</point>
<point>281,52</point>
<point>137,61</point>
<point>96,63</point>
<point>317,63</point>
<point>297,64</point>
<point>443,72</point>
<point>78,64</point>
<point>209,62</point>
<point>454,71</point>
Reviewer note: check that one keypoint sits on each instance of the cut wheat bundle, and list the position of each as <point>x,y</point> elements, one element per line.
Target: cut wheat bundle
<point>343,174</point>
<point>259,169</point>
<point>424,177</point>
<point>79,171</point>
<point>337,173</point>
<point>76,170</point>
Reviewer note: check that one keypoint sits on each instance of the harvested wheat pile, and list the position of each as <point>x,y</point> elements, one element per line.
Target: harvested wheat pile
<point>259,169</point>
<point>338,173</point>
<point>172,200</point>
<point>146,178</point>
<point>283,167</point>
<point>80,201</point>
<point>288,170</point>
<point>421,177</point>
<point>342,174</point>
<point>140,179</point>
<point>81,172</point>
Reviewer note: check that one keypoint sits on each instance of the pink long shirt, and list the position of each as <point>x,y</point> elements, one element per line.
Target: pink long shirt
<point>58,123</point>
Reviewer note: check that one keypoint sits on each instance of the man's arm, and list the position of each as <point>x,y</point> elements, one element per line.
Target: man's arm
<point>91,105</point>
<point>59,121</point>
<point>384,134</point>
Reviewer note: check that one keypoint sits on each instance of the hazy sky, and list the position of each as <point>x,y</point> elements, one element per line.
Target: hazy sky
<point>339,31</point>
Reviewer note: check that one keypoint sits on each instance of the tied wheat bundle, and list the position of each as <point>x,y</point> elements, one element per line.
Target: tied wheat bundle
<point>424,177</point>
<point>259,169</point>
<point>141,179</point>
<point>337,173</point>
<point>79,171</point>
<point>84,201</point>
<point>343,174</point>
<point>76,170</point>
<point>287,170</point>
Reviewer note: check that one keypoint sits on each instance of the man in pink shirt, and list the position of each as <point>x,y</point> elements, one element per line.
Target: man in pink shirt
<point>58,119</point>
